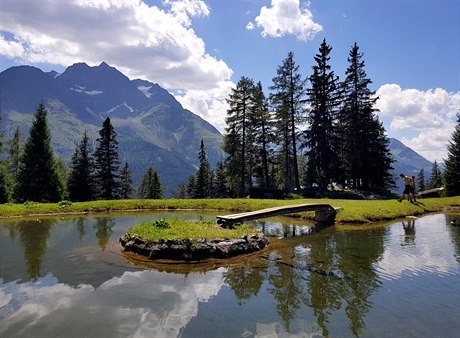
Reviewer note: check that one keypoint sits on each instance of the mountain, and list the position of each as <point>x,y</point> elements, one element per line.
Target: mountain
<point>152,127</point>
<point>407,162</point>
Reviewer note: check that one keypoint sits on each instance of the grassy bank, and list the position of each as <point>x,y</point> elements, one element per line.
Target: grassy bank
<point>352,211</point>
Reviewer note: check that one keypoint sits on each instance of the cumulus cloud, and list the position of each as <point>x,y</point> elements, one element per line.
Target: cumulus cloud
<point>427,117</point>
<point>286,17</point>
<point>142,41</point>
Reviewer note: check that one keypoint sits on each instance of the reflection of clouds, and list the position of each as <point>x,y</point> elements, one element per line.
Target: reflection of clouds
<point>138,304</point>
<point>431,250</point>
<point>299,329</point>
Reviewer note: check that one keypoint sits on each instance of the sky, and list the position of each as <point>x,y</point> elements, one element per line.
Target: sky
<point>199,49</point>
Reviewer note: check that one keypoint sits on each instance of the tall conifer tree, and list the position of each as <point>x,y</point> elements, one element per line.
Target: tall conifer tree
<point>150,187</point>
<point>365,157</point>
<point>321,139</point>
<point>37,178</point>
<point>203,175</point>
<point>452,169</point>
<point>286,98</point>
<point>80,185</point>
<point>435,180</point>
<point>126,182</point>
<point>236,144</point>
<point>107,162</point>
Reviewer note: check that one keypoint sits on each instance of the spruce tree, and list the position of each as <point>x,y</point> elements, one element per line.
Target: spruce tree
<point>37,179</point>
<point>80,185</point>
<point>14,152</point>
<point>202,182</point>
<point>126,182</point>
<point>421,180</point>
<point>150,187</point>
<point>321,138</point>
<point>286,99</point>
<point>107,162</point>
<point>236,143</point>
<point>3,188</point>
<point>435,180</point>
<point>360,134</point>
<point>452,163</point>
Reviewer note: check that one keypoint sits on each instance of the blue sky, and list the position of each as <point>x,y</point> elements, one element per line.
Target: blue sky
<point>199,49</point>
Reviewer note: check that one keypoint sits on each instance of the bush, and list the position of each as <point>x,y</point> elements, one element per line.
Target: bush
<point>161,223</point>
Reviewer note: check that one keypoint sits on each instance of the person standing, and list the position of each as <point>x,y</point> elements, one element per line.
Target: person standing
<point>407,188</point>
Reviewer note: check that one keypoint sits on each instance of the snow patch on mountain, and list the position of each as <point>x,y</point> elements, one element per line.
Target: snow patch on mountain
<point>145,90</point>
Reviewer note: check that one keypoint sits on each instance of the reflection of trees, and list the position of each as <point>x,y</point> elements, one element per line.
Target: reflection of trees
<point>287,290</point>
<point>453,226</point>
<point>358,253</point>
<point>104,227</point>
<point>33,236</point>
<point>327,273</point>
<point>245,281</point>
<point>80,225</point>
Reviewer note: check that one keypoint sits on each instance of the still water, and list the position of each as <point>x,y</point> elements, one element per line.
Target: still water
<point>67,277</point>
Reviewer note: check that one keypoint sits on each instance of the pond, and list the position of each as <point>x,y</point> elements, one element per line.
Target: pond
<point>67,277</point>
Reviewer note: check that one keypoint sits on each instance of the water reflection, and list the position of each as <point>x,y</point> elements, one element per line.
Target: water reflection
<point>409,232</point>
<point>68,277</point>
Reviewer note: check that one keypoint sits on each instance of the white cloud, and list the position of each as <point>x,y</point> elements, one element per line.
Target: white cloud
<point>10,48</point>
<point>142,41</point>
<point>286,17</point>
<point>423,120</point>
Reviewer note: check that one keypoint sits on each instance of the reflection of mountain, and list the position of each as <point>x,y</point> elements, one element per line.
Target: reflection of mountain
<point>139,304</point>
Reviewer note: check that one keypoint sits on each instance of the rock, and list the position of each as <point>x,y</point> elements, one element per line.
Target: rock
<point>189,250</point>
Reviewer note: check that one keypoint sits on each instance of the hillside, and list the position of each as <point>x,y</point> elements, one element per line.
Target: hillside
<point>153,129</point>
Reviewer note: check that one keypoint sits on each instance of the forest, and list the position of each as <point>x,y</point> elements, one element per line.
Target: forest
<point>309,135</point>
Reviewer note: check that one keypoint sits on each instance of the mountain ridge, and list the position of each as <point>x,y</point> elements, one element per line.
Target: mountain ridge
<point>153,129</point>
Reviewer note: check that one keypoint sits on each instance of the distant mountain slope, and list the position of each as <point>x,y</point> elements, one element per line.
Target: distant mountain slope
<point>407,162</point>
<point>153,128</point>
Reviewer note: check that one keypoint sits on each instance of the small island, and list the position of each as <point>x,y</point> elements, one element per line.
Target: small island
<point>191,240</point>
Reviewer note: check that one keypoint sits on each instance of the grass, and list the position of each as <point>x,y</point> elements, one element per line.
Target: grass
<point>352,211</point>
<point>186,229</point>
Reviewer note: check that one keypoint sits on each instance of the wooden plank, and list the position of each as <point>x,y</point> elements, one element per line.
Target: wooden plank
<point>286,209</point>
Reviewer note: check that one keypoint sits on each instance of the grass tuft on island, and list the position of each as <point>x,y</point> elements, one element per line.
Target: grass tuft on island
<point>175,228</point>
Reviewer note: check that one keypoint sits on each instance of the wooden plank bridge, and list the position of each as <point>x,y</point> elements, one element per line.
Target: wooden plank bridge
<point>323,213</point>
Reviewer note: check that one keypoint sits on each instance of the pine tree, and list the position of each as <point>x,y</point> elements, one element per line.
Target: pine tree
<point>452,163</point>
<point>421,180</point>
<point>286,99</point>
<point>157,187</point>
<point>150,187</point>
<point>220,181</point>
<point>365,156</point>
<point>435,180</point>
<point>202,182</point>
<point>3,188</point>
<point>14,152</point>
<point>262,130</point>
<point>236,143</point>
<point>37,178</point>
<point>321,143</point>
<point>126,182</point>
<point>107,162</point>
<point>80,185</point>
